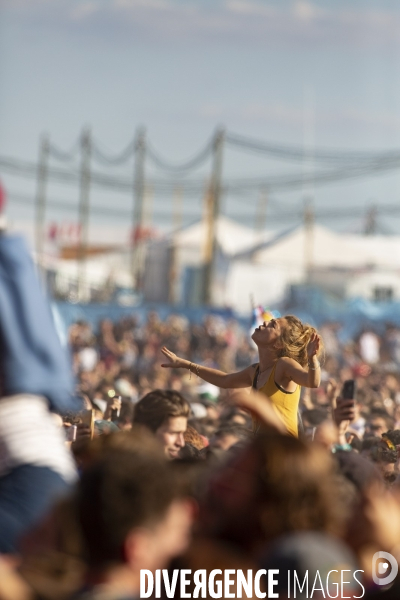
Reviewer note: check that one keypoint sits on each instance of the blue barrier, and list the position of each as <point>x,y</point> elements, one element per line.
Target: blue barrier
<point>353,315</point>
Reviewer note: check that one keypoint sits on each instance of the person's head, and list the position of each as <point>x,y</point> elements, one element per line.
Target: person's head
<point>287,336</point>
<point>392,438</point>
<point>164,413</point>
<point>129,506</point>
<point>379,422</point>
<point>124,420</point>
<point>275,485</point>
<point>229,435</point>
<point>193,437</point>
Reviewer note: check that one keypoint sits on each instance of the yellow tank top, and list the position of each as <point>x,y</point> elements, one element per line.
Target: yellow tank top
<point>286,404</point>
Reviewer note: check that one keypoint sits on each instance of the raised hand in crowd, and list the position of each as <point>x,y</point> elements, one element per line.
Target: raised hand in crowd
<point>313,346</point>
<point>174,362</point>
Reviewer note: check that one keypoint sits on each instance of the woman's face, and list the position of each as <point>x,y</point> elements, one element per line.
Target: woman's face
<point>269,333</point>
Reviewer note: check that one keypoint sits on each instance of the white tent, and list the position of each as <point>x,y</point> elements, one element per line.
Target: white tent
<point>231,237</point>
<point>323,247</point>
<point>353,264</point>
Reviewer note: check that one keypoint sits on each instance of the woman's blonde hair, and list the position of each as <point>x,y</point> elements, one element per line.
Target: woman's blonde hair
<point>295,338</point>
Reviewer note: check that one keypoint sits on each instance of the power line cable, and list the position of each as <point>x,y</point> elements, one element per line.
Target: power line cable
<point>298,213</point>
<point>284,152</point>
<point>190,164</point>
<point>62,155</point>
<point>196,186</point>
<point>119,159</point>
<point>298,153</point>
<point>68,206</point>
<point>316,178</point>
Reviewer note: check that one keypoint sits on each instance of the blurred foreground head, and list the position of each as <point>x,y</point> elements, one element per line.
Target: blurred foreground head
<point>277,484</point>
<point>128,512</point>
<point>129,507</point>
<point>164,413</point>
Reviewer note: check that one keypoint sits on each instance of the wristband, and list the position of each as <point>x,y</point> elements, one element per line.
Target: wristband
<point>196,369</point>
<point>314,368</point>
<point>341,447</point>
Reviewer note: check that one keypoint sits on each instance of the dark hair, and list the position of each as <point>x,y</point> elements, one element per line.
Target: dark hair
<point>129,485</point>
<point>394,436</point>
<point>126,414</point>
<point>381,413</point>
<point>370,442</point>
<point>158,406</point>
<point>298,487</point>
<point>190,452</point>
<point>315,416</point>
<point>238,431</point>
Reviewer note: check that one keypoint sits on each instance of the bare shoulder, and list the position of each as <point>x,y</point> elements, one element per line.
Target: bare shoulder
<point>251,370</point>
<point>284,362</point>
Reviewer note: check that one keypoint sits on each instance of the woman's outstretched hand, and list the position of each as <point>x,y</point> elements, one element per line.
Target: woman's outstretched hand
<point>174,362</point>
<point>313,345</point>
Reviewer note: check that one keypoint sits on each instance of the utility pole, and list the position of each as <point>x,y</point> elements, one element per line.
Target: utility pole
<point>40,205</point>
<point>208,220</point>
<point>148,198</point>
<point>261,211</point>
<point>84,210</point>
<point>137,209</point>
<point>213,202</point>
<point>177,206</point>
<point>371,225</point>
<point>308,238</point>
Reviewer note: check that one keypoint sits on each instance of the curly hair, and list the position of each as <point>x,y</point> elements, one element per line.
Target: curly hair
<point>295,338</point>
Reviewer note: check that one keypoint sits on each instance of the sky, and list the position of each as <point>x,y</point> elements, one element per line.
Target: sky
<point>322,73</point>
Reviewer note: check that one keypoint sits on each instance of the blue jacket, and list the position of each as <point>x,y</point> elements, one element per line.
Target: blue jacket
<point>31,357</point>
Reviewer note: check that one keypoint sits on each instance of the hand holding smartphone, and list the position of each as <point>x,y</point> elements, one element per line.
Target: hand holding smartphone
<point>345,404</point>
<point>115,408</point>
<point>70,433</point>
<point>87,419</point>
<point>349,389</point>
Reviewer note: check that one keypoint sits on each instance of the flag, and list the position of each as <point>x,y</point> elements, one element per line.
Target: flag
<point>261,314</point>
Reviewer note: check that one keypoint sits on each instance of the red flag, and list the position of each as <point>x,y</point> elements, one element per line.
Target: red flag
<point>2,198</point>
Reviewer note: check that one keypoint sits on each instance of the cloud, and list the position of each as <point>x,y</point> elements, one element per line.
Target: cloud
<point>249,8</point>
<point>84,10</point>
<point>143,4</point>
<point>298,23</point>
<point>290,24</point>
<point>291,115</point>
<point>305,11</point>
<point>378,119</point>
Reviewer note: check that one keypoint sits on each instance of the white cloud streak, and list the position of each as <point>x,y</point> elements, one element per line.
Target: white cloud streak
<point>256,112</point>
<point>299,23</point>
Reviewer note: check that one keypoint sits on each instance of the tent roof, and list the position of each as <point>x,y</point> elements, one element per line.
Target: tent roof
<point>232,237</point>
<point>328,248</point>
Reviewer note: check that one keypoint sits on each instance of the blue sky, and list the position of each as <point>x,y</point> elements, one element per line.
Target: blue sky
<point>265,69</point>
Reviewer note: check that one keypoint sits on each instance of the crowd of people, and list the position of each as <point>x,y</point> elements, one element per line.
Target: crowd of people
<point>195,448</point>
<point>123,360</point>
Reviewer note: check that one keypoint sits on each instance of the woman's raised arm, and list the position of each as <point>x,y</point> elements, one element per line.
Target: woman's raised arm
<point>290,369</point>
<point>241,379</point>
